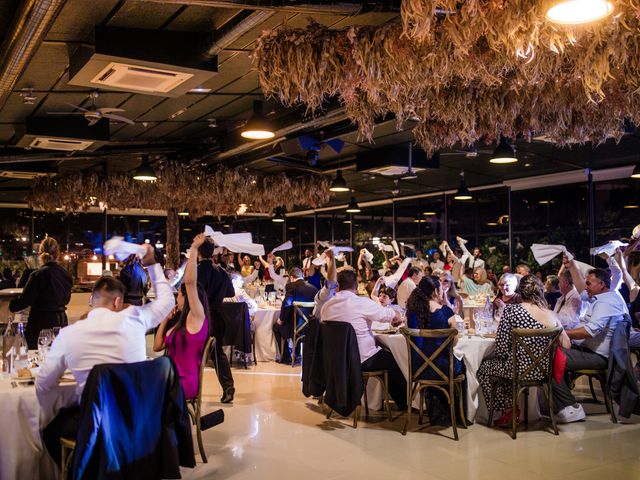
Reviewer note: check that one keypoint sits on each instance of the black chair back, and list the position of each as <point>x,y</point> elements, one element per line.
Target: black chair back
<point>237,325</point>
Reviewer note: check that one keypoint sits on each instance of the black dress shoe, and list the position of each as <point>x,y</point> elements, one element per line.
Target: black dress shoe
<point>228,395</point>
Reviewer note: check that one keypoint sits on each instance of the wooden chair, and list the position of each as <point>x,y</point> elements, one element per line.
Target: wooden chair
<point>68,446</point>
<point>194,405</point>
<point>538,373</point>
<point>601,375</point>
<point>299,326</point>
<point>447,383</point>
<point>383,376</point>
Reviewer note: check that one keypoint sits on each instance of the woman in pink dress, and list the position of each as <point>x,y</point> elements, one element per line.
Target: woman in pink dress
<point>184,333</point>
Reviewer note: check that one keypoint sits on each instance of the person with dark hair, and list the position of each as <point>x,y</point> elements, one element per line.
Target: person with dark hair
<point>450,294</point>
<point>361,312</point>
<point>427,309</point>
<point>533,312</point>
<point>112,333</point>
<point>185,333</point>
<point>217,284</point>
<point>7,279</point>
<point>408,284</point>
<point>296,290</point>
<point>134,278</point>
<point>592,337</point>
<point>47,292</point>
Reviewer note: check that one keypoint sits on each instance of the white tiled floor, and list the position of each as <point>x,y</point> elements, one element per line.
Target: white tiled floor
<point>273,432</point>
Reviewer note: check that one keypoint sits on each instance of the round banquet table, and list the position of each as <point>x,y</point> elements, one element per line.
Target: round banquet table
<point>262,326</point>
<point>22,454</point>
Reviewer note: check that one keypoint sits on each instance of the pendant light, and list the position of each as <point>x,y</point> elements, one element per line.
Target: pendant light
<point>258,127</point>
<point>145,172</point>
<point>353,206</point>
<point>504,152</point>
<point>463,192</point>
<point>576,12</point>
<point>636,171</point>
<point>278,215</point>
<point>339,184</point>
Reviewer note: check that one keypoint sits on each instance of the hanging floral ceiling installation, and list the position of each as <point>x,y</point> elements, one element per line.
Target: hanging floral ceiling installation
<point>186,188</point>
<point>466,71</point>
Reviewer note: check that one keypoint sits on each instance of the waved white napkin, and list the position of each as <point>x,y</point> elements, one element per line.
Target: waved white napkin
<point>368,256</point>
<point>336,251</point>
<point>385,248</point>
<point>122,250</point>
<point>285,246</point>
<point>543,253</point>
<point>609,248</point>
<point>236,242</point>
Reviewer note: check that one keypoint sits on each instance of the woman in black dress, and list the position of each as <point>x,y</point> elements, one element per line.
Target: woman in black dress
<point>47,292</point>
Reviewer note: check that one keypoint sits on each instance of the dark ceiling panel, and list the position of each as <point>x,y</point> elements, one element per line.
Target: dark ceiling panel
<point>48,64</point>
<point>6,133</point>
<point>57,102</point>
<point>193,130</point>
<point>370,18</point>
<point>202,19</point>
<point>15,110</point>
<point>238,108</point>
<point>247,83</point>
<point>7,11</point>
<point>129,132</point>
<point>159,131</point>
<point>139,104</point>
<point>205,106</point>
<point>76,22</point>
<point>167,108</point>
<point>229,71</point>
<point>148,15</point>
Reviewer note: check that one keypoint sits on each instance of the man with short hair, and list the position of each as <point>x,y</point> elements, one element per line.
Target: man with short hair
<point>361,312</point>
<point>408,285</point>
<point>569,306</point>
<point>241,295</point>
<point>523,270</point>
<point>419,261</point>
<point>592,337</point>
<point>297,290</point>
<point>112,332</point>
<point>437,264</point>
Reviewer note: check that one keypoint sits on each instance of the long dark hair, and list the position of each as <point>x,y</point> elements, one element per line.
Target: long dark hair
<point>418,302</point>
<point>180,317</point>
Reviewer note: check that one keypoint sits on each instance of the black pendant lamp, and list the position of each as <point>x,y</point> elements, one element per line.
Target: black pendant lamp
<point>145,172</point>
<point>258,127</point>
<point>504,152</point>
<point>278,215</point>
<point>339,184</point>
<point>463,192</point>
<point>353,206</point>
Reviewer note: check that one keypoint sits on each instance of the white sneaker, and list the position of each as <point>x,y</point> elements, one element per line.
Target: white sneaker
<point>570,414</point>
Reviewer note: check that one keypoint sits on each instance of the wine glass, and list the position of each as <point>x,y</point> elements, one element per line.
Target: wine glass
<point>272,298</point>
<point>44,340</point>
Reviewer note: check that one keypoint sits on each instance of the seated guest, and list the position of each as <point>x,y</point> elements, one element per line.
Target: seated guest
<point>532,313</point>
<point>552,290</point>
<point>47,292</point>
<point>297,290</point>
<point>592,337</point>
<point>427,271</point>
<point>523,270</point>
<point>420,261</point>
<point>360,312</point>
<point>408,284</point>
<point>450,294</point>
<point>246,268</point>
<point>241,295</point>
<point>436,264</point>
<point>7,279</point>
<point>424,311</point>
<point>507,292</point>
<point>569,306</point>
<point>111,333</point>
<point>491,276</point>
<point>385,296</point>
<point>185,333</point>
<point>134,279</point>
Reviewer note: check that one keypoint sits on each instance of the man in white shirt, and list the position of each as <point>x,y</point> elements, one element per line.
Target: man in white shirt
<point>241,294</point>
<point>569,306</point>
<point>113,332</point>
<point>436,264</point>
<point>470,260</point>
<point>408,285</point>
<point>419,262</point>
<point>361,312</point>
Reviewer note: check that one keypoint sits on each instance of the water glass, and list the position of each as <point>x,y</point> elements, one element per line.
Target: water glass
<point>272,298</point>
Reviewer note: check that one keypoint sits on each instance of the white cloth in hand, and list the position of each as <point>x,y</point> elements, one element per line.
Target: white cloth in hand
<point>122,250</point>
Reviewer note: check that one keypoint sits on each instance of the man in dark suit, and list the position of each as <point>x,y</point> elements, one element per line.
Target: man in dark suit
<point>217,284</point>
<point>297,290</point>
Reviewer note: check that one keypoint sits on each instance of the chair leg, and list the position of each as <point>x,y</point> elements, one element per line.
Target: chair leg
<point>385,388</point>
<point>514,411</point>
<point>203,455</point>
<point>491,399</point>
<point>253,348</point>
<point>551,412</point>
<point>329,413</point>
<point>526,408</point>
<point>63,463</point>
<point>421,410</point>
<point>607,398</point>
<point>452,410</point>
<point>365,381</point>
<point>293,350</point>
<point>410,394</point>
<point>356,414</point>
<point>593,392</point>
<point>463,417</point>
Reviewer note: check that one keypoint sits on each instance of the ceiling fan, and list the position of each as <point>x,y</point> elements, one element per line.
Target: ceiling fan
<point>94,115</point>
<point>395,190</point>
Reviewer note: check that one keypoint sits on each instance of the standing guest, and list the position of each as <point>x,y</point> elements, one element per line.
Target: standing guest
<point>491,276</point>
<point>419,262</point>
<point>7,279</point>
<point>185,333</point>
<point>476,286</point>
<point>134,279</point>
<point>523,270</point>
<point>217,284</point>
<point>297,290</point>
<point>506,269</point>
<point>425,311</point>
<point>111,333</point>
<point>592,338</point>
<point>241,295</point>
<point>569,306</point>
<point>246,268</point>
<point>226,261</point>
<point>360,312</point>
<point>436,264</point>
<point>532,313</point>
<point>47,292</point>
<point>427,271</point>
<point>450,294</point>
<point>552,290</point>
<point>470,260</point>
<point>408,285</point>
<point>308,268</point>
<point>507,292</point>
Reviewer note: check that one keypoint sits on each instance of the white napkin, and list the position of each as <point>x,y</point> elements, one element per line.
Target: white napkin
<point>324,244</point>
<point>393,280</point>
<point>609,248</point>
<point>543,253</point>
<point>285,246</point>
<point>368,256</point>
<point>384,247</point>
<point>336,251</point>
<point>236,242</point>
<point>396,249</point>
<point>409,246</point>
<point>122,250</point>
<point>636,232</point>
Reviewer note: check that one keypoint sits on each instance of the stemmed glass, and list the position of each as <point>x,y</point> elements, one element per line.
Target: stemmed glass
<point>45,338</point>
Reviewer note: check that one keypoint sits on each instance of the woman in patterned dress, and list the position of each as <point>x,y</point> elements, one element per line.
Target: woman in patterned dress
<point>531,313</point>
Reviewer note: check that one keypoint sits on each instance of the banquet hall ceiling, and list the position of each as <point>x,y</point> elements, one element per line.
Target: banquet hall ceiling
<point>182,128</point>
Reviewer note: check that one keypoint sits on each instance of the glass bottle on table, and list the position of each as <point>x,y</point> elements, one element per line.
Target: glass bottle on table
<point>22,350</point>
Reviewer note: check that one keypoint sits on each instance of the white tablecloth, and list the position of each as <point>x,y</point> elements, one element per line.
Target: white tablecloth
<point>262,326</point>
<point>22,454</point>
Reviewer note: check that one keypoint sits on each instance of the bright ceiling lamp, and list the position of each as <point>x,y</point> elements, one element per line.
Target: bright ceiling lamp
<point>278,215</point>
<point>353,206</point>
<point>504,152</point>
<point>145,172</point>
<point>258,127</point>
<point>576,12</point>
<point>463,192</point>
<point>339,184</point>
<point>636,171</point>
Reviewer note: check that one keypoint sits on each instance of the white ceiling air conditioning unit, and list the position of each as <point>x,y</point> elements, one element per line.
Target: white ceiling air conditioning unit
<point>151,62</point>
<point>67,145</point>
<point>131,77</point>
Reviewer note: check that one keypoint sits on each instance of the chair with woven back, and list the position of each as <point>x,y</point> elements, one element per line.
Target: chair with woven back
<point>529,370</point>
<point>301,320</point>
<point>446,382</point>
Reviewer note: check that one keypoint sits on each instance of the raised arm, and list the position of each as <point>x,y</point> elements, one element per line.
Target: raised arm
<point>196,309</point>
<point>264,263</point>
<point>151,314</point>
<point>631,284</point>
<point>576,274</point>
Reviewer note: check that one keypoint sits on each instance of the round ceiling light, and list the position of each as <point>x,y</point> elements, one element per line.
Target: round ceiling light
<point>576,12</point>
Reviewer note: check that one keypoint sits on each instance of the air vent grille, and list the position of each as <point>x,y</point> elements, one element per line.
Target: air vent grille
<point>130,77</point>
<point>67,145</point>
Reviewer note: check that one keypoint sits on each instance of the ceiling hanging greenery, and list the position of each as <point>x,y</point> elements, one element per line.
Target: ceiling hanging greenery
<point>487,68</point>
<point>187,188</point>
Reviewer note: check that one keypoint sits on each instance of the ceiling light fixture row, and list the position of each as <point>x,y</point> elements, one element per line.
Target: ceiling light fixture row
<point>258,127</point>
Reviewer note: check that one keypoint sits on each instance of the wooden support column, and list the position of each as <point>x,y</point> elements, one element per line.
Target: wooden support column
<point>173,238</point>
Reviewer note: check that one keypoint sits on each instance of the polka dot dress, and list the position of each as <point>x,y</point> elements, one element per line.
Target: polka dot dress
<point>501,364</point>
